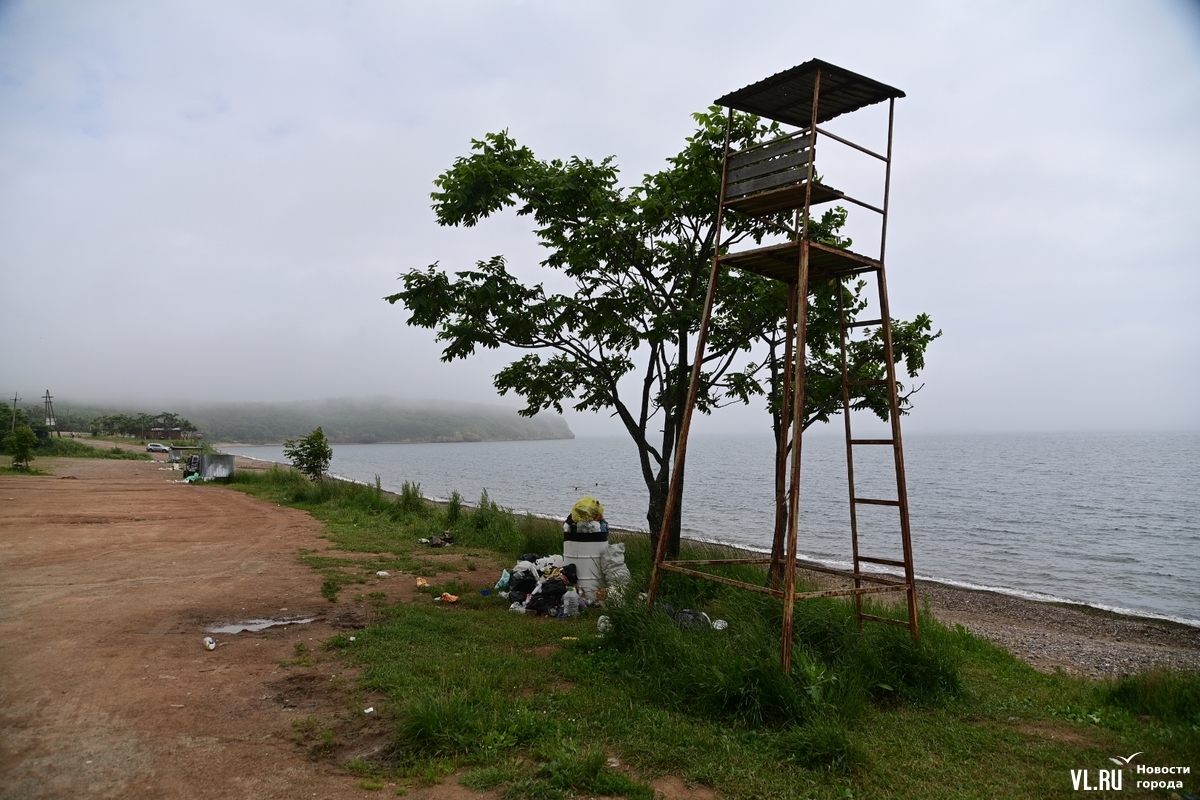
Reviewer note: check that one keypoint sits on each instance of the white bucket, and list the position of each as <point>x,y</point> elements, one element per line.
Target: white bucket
<point>586,558</point>
<point>584,544</point>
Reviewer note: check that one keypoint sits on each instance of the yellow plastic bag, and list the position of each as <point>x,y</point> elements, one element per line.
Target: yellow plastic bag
<point>588,509</point>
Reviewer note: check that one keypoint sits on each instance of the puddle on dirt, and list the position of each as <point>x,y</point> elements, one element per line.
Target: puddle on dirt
<point>256,625</point>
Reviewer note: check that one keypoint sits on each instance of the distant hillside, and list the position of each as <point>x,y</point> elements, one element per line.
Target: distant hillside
<point>368,421</point>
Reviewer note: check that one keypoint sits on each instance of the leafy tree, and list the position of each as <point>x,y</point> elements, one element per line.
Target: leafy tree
<point>20,444</point>
<point>7,424</point>
<point>310,455</point>
<point>639,260</point>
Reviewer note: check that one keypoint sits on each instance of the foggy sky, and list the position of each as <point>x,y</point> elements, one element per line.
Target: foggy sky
<point>208,200</point>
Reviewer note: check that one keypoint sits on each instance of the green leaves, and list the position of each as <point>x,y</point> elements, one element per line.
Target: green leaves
<point>311,455</point>
<point>639,260</point>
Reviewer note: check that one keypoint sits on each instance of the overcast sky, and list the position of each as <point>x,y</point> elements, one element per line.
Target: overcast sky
<point>208,200</point>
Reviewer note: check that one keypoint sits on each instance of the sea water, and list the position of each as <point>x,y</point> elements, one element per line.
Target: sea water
<point>1111,520</point>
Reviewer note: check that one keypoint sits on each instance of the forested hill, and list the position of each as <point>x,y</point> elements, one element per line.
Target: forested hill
<point>369,421</point>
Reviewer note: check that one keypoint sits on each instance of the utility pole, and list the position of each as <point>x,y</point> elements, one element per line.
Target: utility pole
<point>14,419</point>
<point>51,423</point>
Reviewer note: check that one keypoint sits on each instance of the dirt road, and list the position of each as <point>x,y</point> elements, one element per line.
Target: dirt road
<point>110,577</point>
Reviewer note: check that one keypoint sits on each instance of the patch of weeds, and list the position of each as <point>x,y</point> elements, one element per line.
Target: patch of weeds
<point>360,767</point>
<point>308,731</point>
<point>306,727</point>
<point>435,771</point>
<point>1173,697</point>
<point>370,784</point>
<point>571,771</point>
<point>304,656</point>
<point>821,745</point>
<point>329,590</point>
<point>21,471</point>
<point>454,508</point>
<point>410,500</point>
<point>324,747</point>
<point>485,778</point>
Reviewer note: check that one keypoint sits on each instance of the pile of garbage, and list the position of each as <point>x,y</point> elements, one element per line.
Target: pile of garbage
<point>549,585</point>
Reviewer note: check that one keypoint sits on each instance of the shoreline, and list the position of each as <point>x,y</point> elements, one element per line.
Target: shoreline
<point>1024,595</point>
<point>1049,635</point>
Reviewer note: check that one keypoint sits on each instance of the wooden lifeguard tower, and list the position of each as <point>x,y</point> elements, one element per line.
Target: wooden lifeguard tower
<point>767,179</point>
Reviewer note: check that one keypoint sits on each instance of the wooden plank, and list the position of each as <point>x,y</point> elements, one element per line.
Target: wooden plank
<point>785,199</point>
<point>712,562</point>
<point>673,567</point>
<point>778,147</point>
<point>766,182</point>
<point>890,562</point>
<point>774,165</point>
<point>903,623</point>
<point>850,592</point>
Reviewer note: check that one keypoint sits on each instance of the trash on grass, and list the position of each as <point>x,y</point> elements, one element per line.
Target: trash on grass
<point>209,644</point>
<point>449,598</point>
<point>422,583</point>
<point>719,624</point>
<point>604,624</point>
<point>383,573</point>
<point>369,710</point>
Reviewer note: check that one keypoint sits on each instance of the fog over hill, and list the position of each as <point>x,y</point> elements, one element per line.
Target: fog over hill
<point>365,421</point>
<point>344,420</point>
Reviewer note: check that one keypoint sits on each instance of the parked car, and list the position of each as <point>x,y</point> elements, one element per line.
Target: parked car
<point>155,447</point>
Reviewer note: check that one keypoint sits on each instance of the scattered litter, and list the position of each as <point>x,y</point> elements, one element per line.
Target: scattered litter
<point>352,638</point>
<point>369,710</point>
<point>449,598</point>
<point>382,573</point>
<point>570,638</point>
<point>719,624</point>
<point>485,592</point>
<point>687,618</point>
<point>437,541</point>
<point>517,607</point>
<point>502,584</point>
<point>604,624</point>
<point>209,644</point>
<point>422,583</point>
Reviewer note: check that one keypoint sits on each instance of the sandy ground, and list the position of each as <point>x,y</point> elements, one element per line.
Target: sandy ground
<point>111,574</point>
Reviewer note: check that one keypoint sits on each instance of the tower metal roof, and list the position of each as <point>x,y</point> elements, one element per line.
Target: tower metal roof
<point>787,96</point>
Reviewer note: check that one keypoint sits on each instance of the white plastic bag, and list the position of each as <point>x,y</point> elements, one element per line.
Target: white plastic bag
<point>612,564</point>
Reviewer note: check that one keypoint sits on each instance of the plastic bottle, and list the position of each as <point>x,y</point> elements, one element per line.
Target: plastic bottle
<point>570,603</point>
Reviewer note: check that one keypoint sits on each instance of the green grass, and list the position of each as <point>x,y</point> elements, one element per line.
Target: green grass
<point>536,708</point>
<point>74,448</point>
<point>6,469</point>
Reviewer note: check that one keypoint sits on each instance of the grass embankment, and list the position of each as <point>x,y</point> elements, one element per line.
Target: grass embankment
<point>539,707</point>
<point>56,447</point>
